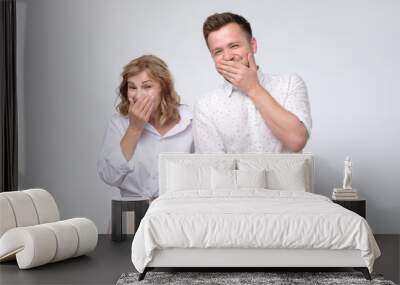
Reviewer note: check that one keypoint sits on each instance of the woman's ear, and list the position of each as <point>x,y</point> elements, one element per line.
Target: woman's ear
<point>253,44</point>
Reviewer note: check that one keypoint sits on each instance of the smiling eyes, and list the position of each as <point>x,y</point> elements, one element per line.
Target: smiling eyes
<point>131,87</point>
<point>232,46</point>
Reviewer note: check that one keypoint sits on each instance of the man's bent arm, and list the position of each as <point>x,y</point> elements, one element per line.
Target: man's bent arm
<point>285,125</point>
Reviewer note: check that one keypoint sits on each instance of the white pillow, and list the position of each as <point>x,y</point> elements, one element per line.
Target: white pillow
<point>223,179</point>
<point>251,178</point>
<point>227,179</point>
<point>181,177</point>
<point>193,173</point>
<point>282,174</point>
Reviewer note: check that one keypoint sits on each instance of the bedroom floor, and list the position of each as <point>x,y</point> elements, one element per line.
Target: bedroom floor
<point>110,260</point>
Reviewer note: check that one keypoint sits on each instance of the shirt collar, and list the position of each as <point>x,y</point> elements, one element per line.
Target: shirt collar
<point>229,88</point>
<point>185,121</point>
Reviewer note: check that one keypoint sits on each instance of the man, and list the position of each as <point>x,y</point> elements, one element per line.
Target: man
<point>251,111</point>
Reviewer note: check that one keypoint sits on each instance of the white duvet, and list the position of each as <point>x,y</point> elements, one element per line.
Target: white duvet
<point>250,219</point>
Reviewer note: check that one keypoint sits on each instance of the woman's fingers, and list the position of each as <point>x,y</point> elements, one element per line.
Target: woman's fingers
<point>145,101</point>
<point>147,107</point>
<point>141,108</point>
<point>149,111</point>
<point>130,104</point>
<point>138,105</point>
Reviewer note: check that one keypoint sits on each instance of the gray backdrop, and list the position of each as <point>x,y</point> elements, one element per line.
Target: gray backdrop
<point>70,55</point>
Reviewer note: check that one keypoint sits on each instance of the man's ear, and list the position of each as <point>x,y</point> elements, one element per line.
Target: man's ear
<point>253,44</point>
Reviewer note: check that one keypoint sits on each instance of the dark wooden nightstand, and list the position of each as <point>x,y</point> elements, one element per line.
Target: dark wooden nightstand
<point>358,206</point>
<point>119,205</point>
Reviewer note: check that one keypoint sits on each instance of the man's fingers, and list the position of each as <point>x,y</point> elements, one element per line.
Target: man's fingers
<point>231,64</point>
<point>230,79</point>
<point>223,73</point>
<point>227,68</point>
<point>228,76</point>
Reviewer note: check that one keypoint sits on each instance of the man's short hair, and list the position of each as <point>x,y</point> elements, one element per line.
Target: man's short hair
<point>219,20</point>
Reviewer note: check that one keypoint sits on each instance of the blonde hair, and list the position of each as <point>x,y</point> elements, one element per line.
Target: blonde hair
<point>157,69</point>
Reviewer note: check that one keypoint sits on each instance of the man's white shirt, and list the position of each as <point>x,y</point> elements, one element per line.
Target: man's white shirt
<point>226,120</point>
<point>139,175</point>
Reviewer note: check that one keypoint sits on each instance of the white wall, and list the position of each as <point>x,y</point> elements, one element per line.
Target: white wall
<point>71,54</point>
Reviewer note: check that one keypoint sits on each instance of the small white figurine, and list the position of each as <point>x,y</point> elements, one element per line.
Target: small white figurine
<point>347,174</point>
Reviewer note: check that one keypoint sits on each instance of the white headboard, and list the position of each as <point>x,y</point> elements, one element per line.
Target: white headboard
<point>209,159</point>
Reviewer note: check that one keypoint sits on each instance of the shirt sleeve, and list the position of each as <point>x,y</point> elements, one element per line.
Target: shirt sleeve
<point>205,133</point>
<point>112,166</point>
<point>297,101</point>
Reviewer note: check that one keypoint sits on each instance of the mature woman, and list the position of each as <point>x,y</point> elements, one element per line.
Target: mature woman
<point>149,120</point>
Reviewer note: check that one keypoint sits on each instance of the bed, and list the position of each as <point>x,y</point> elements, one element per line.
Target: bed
<point>245,211</point>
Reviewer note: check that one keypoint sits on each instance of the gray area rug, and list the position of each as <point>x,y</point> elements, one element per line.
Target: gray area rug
<point>273,278</point>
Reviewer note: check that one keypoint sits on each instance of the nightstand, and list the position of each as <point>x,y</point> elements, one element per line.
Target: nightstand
<point>119,205</point>
<point>358,206</point>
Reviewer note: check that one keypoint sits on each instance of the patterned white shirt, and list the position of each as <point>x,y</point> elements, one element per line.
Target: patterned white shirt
<point>226,120</point>
<point>139,175</point>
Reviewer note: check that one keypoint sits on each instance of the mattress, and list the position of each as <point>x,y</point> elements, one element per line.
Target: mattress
<point>250,219</point>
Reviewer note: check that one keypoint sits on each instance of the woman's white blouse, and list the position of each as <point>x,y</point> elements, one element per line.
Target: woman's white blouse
<point>139,176</point>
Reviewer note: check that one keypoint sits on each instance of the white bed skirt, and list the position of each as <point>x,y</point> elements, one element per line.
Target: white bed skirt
<point>235,257</point>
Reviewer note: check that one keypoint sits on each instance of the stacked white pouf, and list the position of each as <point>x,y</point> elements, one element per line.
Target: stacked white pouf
<point>31,231</point>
